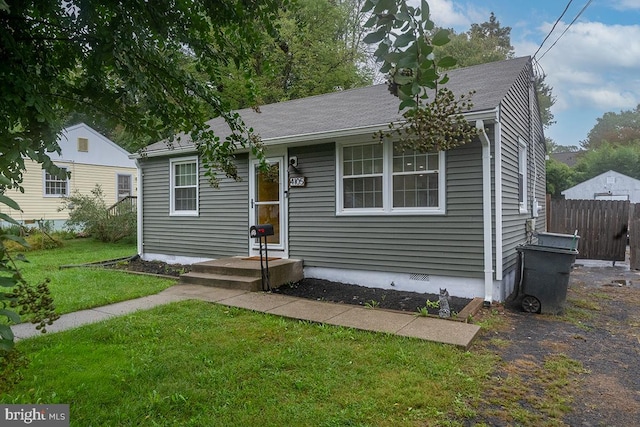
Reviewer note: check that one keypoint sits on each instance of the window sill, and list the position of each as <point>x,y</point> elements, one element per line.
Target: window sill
<point>391,213</point>
<point>192,214</point>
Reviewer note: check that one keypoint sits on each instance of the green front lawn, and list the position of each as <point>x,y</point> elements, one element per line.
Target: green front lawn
<point>199,364</point>
<point>76,289</point>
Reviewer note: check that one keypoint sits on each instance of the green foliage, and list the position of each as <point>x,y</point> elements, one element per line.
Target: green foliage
<point>133,63</point>
<point>406,41</point>
<point>90,214</point>
<point>483,43</point>
<point>316,50</point>
<point>18,297</point>
<point>621,128</point>
<point>559,177</point>
<point>624,159</point>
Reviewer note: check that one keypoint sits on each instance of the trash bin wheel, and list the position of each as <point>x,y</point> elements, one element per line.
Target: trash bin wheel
<point>531,304</point>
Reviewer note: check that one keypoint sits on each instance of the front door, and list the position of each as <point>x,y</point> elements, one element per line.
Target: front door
<point>267,205</point>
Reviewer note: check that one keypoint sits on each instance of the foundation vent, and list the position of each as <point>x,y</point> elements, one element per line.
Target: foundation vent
<point>419,277</point>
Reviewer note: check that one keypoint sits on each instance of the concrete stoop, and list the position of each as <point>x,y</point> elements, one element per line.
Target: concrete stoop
<point>243,273</point>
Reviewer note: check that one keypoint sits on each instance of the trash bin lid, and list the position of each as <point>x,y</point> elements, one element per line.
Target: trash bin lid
<point>538,248</point>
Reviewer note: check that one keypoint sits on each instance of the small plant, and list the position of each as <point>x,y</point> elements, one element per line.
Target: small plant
<point>424,311</point>
<point>432,304</point>
<point>372,304</point>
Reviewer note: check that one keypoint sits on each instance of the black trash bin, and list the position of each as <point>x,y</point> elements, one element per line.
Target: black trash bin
<point>544,277</point>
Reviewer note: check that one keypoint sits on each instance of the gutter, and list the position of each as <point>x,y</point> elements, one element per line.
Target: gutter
<point>486,213</point>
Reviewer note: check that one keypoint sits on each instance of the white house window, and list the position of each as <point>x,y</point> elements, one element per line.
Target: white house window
<point>415,179</point>
<point>381,178</point>
<point>362,176</point>
<point>522,175</point>
<point>184,186</point>
<point>55,186</point>
<point>125,187</point>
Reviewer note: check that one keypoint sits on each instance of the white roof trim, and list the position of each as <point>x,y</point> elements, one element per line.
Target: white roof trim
<point>488,115</point>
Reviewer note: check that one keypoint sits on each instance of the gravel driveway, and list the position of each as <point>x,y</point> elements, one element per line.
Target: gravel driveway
<point>600,329</point>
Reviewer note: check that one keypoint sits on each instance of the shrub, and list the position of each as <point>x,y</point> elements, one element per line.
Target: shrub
<point>90,214</point>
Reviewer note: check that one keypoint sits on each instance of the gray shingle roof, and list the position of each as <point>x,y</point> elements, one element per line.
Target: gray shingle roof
<point>363,107</point>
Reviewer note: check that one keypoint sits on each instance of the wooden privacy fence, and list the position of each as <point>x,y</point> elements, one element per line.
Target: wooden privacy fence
<point>601,224</point>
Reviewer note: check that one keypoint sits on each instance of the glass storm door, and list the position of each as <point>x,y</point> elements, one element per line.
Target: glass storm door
<point>267,203</point>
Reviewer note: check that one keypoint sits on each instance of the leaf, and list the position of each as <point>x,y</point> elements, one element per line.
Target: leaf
<point>444,80</point>
<point>424,10</point>
<point>375,37</point>
<point>9,202</point>
<point>407,103</point>
<point>7,282</point>
<point>447,62</point>
<point>367,6</point>
<point>383,5</point>
<point>11,315</point>
<point>415,88</point>
<point>440,38</point>
<point>6,332</point>
<point>408,61</point>
<point>7,218</point>
<point>6,345</point>
<point>403,40</point>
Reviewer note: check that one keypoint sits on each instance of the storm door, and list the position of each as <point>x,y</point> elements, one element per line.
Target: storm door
<point>267,204</point>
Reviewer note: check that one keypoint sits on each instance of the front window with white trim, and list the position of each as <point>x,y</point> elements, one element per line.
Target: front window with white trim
<point>522,175</point>
<point>382,178</point>
<point>184,186</point>
<point>55,186</point>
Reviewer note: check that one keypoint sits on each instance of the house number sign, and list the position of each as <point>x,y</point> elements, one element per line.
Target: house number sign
<point>297,181</point>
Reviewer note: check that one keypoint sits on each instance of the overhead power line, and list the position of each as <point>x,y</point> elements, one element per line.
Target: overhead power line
<point>566,29</point>
<point>553,28</point>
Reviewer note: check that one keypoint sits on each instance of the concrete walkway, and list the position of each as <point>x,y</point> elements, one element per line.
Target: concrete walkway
<point>405,324</point>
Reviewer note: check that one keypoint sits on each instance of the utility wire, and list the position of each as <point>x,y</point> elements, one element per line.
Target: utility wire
<point>553,28</point>
<point>566,29</point>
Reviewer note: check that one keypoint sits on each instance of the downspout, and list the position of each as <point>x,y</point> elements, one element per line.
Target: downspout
<point>486,213</point>
<point>498,194</point>
<point>139,208</point>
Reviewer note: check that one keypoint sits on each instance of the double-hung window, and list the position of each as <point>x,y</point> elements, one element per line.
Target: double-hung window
<point>522,175</point>
<point>384,178</point>
<point>55,186</point>
<point>184,186</point>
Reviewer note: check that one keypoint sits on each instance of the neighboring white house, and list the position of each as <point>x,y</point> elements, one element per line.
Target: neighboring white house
<point>92,159</point>
<point>610,185</point>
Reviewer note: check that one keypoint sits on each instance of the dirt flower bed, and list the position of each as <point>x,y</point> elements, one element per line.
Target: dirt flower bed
<point>324,290</point>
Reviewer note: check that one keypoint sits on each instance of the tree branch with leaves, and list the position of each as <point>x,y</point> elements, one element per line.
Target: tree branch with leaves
<point>406,38</point>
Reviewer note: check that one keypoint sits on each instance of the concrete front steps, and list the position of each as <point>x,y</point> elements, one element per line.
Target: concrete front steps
<point>243,273</point>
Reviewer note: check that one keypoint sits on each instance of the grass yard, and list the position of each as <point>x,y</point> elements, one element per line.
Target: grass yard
<point>76,289</point>
<point>195,364</point>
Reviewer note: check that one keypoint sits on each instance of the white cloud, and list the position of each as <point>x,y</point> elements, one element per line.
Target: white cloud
<point>594,63</point>
<point>626,4</point>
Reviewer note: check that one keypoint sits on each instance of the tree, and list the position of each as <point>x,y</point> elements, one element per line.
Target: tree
<point>490,42</point>
<point>615,128</point>
<point>317,49</point>
<point>559,177</point>
<point>553,147</point>
<point>125,60</point>
<point>624,159</point>
<point>133,62</point>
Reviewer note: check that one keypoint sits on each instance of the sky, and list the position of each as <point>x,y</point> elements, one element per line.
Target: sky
<point>593,69</point>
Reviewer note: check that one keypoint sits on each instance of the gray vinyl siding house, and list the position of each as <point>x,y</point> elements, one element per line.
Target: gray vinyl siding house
<point>365,213</point>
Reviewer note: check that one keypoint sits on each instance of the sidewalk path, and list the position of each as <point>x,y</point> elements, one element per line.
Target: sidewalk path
<point>405,324</point>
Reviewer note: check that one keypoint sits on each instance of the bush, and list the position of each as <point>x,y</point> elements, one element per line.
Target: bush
<point>90,214</point>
